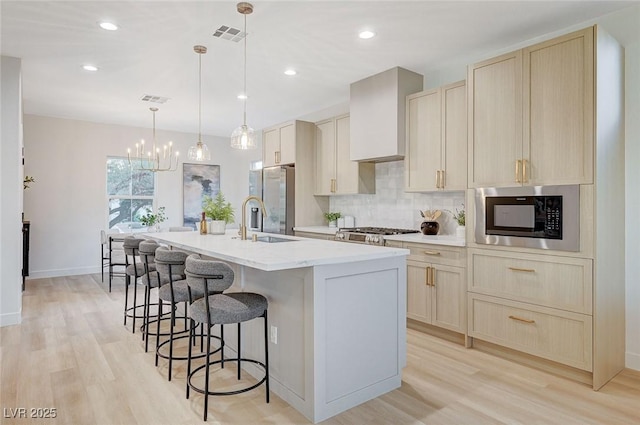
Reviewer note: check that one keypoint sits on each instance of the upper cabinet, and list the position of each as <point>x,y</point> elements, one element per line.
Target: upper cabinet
<point>377,109</point>
<point>279,145</point>
<point>436,150</point>
<point>531,115</point>
<point>336,174</point>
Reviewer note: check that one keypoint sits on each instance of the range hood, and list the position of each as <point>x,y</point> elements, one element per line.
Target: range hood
<point>377,110</point>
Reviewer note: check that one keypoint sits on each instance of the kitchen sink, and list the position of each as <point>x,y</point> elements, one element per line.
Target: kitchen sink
<point>273,239</point>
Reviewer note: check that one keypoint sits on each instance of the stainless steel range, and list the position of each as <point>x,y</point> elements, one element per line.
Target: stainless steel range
<point>369,235</point>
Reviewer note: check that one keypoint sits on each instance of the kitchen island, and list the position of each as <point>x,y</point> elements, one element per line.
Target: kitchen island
<point>339,311</point>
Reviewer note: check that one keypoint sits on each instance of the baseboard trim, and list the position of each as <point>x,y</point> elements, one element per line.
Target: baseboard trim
<point>446,334</point>
<point>632,361</point>
<point>42,274</point>
<point>10,319</point>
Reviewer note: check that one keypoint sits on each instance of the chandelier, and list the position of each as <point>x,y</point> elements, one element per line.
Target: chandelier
<point>154,159</point>
<point>243,137</point>
<point>199,151</point>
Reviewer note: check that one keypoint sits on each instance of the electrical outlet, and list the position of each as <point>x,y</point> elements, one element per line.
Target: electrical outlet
<point>274,335</point>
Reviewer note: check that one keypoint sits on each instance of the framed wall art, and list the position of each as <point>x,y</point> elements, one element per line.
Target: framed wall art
<point>198,181</point>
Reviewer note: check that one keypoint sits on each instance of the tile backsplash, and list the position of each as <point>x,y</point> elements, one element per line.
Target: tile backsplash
<point>391,206</point>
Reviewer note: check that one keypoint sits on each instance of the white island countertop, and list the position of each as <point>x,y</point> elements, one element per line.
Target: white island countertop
<point>300,252</point>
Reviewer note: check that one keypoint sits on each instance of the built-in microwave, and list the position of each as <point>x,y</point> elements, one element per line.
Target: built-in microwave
<point>545,217</point>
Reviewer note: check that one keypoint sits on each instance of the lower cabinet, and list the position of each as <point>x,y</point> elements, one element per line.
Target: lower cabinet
<point>558,335</point>
<point>436,295</point>
<point>537,304</point>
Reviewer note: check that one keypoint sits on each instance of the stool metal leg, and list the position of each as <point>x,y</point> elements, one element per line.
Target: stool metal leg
<point>239,348</point>
<point>266,354</point>
<point>158,338</point>
<point>127,280</point>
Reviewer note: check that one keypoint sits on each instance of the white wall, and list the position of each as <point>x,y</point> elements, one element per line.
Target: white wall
<point>67,205</point>
<point>11,194</point>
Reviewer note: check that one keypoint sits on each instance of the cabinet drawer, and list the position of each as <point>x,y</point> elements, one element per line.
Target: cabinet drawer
<point>436,254</point>
<point>558,282</point>
<point>555,335</point>
<point>393,244</point>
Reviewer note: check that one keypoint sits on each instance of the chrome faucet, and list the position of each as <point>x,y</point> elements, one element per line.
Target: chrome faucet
<point>243,226</point>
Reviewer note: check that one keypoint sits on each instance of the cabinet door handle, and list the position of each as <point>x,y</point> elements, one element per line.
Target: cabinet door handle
<point>437,179</point>
<point>518,269</point>
<point>426,276</point>
<point>525,179</point>
<point>333,185</point>
<point>520,319</point>
<point>518,171</point>
<point>432,252</point>
<point>442,179</point>
<point>433,276</point>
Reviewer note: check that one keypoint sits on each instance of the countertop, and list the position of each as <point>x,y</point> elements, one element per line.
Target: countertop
<point>450,240</point>
<point>303,252</point>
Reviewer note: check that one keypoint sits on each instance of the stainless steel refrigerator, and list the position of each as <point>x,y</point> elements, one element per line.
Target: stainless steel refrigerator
<point>278,192</point>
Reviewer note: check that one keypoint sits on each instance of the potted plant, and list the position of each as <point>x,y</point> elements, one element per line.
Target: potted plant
<point>332,217</point>
<point>459,217</point>
<point>152,221</point>
<point>219,211</point>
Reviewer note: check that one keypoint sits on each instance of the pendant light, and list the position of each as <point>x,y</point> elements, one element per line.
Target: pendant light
<point>243,137</point>
<point>199,151</point>
<point>153,160</point>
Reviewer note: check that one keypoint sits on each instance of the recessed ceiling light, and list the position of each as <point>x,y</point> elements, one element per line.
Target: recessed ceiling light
<point>90,68</point>
<point>290,72</point>
<point>366,34</point>
<point>109,26</point>
<point>242,96</point>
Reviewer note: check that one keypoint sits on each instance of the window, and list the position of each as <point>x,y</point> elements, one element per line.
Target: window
<point>130,193</point>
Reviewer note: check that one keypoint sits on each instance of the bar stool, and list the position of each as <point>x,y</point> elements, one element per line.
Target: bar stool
<point>151,279</point>
<point>170,264</point>
<point>133,269</point>
<point>222,309</point>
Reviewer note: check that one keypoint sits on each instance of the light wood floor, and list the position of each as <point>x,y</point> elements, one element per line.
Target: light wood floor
<point>72,353</point>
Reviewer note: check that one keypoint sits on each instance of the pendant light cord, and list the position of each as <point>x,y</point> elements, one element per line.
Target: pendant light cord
<point>199,97</point>
<point>244,121</point>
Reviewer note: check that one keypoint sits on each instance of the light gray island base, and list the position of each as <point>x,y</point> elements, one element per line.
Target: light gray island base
<point>339,310</point>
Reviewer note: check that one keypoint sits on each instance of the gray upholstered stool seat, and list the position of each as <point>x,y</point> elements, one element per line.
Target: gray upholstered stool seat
<point>229,308</point>
<point>138,269</point>
<point>171,267</point>
<point>222,309</point>
<point>180,292</point>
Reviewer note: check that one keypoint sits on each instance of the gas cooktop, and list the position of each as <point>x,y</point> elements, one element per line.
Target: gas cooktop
<point>378,230</point>
<point>369,235</point>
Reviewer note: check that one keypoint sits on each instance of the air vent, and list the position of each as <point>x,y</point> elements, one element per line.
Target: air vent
<point>153,99</point>
<point>230,33</point>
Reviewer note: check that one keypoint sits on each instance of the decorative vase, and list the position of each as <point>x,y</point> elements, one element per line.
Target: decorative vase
<point>333,223</point>
<point>430,227</point>
<point>460,232</point>
<point>217,227</point>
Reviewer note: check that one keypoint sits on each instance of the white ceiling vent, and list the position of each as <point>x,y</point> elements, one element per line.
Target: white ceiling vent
<point>154,99</point>
<point>230,33</point>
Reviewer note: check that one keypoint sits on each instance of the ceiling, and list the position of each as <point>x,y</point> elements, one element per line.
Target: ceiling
<point>152,53</point>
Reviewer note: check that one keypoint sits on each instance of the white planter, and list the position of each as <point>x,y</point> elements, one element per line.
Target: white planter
<point>333,223</point>
<point>217,227</point>
<point>460,232</point>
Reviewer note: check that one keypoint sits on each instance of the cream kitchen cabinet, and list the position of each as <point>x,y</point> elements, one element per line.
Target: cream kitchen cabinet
<point>279,145</point>
<point>336,174</point>
<point>436,149</point>
<point>436,290</point>
<point>530,115</point>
